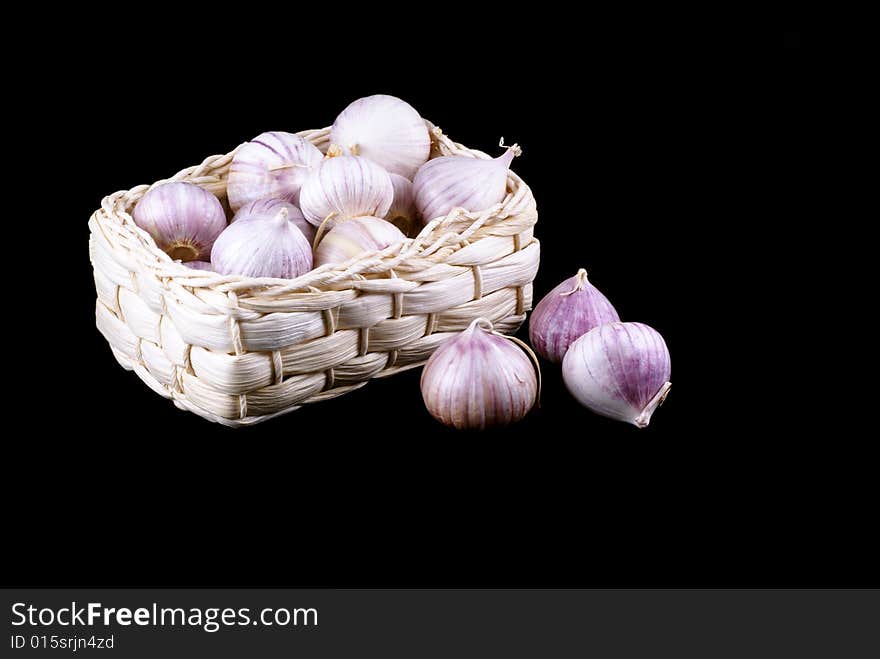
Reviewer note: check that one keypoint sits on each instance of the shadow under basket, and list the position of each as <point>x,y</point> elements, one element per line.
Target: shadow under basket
<point>239,350</point>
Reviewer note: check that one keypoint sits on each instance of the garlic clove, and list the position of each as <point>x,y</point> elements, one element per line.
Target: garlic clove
<point>619,370</point>
<point>350,238</point>
<point>182,218</point>
<point>272,165</point>
<point>449,182</point>
<point>566,313</point>
<point>479,379</point>
<point>346,186</point>
<point>386,130</point>
<point>262,246</point>
<point>403,213</point>
<point>270,207</point>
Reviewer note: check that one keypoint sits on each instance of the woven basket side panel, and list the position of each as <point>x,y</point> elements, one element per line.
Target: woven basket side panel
<point>250,384</point>
<point>399,341</point>
<point>223,385</point>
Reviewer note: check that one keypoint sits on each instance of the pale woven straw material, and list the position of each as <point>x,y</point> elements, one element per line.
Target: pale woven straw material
<point>238,350</point>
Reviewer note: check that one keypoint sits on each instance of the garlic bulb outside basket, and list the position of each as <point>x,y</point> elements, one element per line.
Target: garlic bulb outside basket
<point>479,379</point>
<point>352,237</point>
<point>619,370</point>
<point>270,207</point>
<point>566,313</point>
<point>451,182</point>
<point>262,247</point>
<point>272,165</point>
<point>386,130</point>
<point>182,218</point>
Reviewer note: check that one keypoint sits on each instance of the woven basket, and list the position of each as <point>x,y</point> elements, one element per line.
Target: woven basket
<point>238,350</point>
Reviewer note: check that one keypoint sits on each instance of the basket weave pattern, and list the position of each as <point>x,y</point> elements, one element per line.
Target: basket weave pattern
<point>239,350</point>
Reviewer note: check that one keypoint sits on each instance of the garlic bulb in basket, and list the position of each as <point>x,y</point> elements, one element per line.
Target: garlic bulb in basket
<point>182,218</point>
<point>346,186</point>
<point>479,379</point>
<point>263,207</point>
<point>619,370</point>
<point>272,165</point>
<point>566,313</point>
<point>349,238</point>
<point>386,130</point>
<point>403,213</point>
<point>451,182</point>
<point>263,246</point>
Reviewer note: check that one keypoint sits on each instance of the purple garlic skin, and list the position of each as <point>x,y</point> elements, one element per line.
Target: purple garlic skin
<point>619,370</point>
<point>182,218</point>
<point>449,182</point>
<point>261,208</point>
<point>344,187</point>
<point>272,165</point>
<point>263,246</point>
<point>565,314</point>
<point>478,380</point>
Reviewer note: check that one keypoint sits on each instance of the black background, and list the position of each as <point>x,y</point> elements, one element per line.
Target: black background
<point>623,131</point>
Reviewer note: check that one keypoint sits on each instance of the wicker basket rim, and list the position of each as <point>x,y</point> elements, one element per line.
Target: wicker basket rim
<point>456,230</point>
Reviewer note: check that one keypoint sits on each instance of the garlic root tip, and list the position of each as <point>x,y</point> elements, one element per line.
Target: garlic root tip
<point>182,250</point>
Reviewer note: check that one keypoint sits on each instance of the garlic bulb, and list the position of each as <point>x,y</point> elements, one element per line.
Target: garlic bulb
<point>198,265</point>
<point>479,379</point>
<point>351,237</point>
<point>346,186</point>
<point>619,370</point>
<point>263,207</point>
<point>566,313</point>
<point>386,130</point>
<point>450,182</point>
<point>272,165</point>
<point>263,246</point>
<point>182,218</point>
<point>403,213</point>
